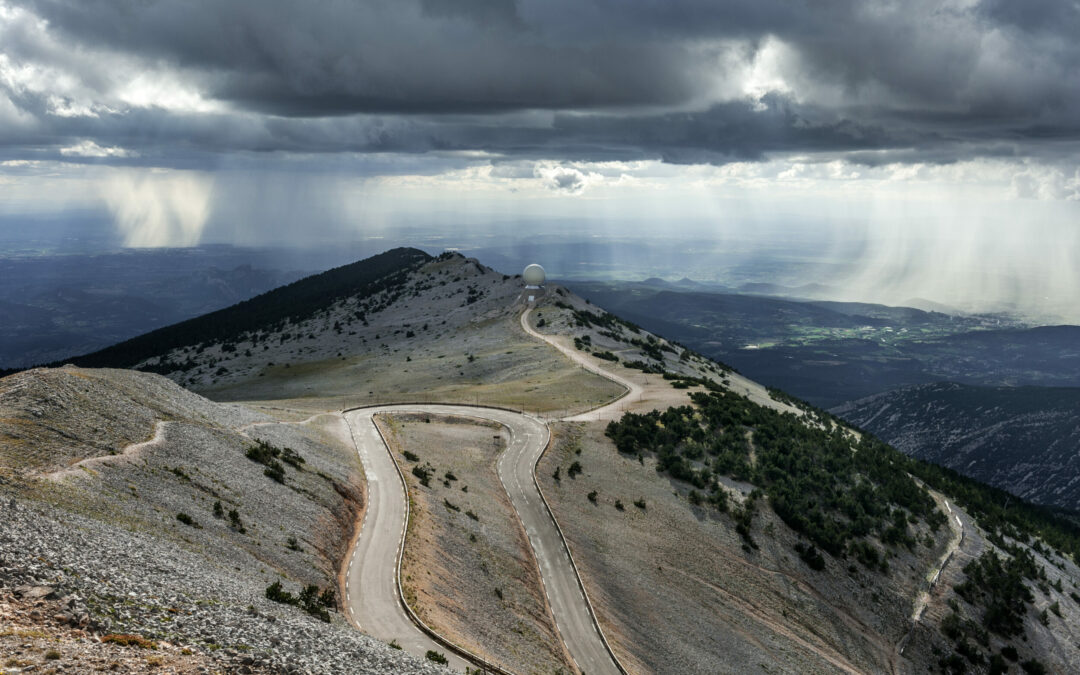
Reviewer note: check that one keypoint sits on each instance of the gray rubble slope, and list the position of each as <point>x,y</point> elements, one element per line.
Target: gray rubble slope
<point>105,527</point>
<point>440,299</point>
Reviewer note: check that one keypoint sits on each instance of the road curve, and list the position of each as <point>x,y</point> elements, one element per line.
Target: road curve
<point>633,392</point>
<point>371,592</point>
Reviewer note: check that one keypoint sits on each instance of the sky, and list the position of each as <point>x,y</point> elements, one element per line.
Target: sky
<point>945,134</point>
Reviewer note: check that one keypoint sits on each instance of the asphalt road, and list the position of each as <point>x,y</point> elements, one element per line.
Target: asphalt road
<point>371,593</point>
<point>613,409</point>
<point>371,596</point>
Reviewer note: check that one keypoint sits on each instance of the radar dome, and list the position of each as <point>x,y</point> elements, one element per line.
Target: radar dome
<point>534,275</point>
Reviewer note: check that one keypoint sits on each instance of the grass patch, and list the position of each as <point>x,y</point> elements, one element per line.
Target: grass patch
<point>126,640</point>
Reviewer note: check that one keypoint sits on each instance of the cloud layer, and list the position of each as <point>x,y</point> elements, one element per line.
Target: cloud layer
<point>179,83</point>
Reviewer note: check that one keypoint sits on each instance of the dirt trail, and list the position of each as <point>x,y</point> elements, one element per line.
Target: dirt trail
<point>129,453</point>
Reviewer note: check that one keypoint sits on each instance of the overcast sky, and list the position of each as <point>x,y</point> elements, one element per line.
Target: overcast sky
<point>277,120</point>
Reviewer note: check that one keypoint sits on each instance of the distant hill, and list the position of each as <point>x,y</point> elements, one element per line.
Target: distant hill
<point>1021,439</point>
<point>831,352</point>
<point>292,303</point>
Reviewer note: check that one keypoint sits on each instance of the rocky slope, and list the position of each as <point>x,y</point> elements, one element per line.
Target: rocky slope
<point>443,330</point>
<point>1021,439</point>
<point>174,521</point>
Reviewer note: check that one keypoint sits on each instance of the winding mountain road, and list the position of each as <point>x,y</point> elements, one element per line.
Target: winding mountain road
<point>633,389</point>
<point>372,597</point>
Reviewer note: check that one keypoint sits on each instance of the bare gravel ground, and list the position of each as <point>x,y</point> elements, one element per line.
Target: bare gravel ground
<point>456,566</point>
<point>678,594</point>
<point>31,640</point>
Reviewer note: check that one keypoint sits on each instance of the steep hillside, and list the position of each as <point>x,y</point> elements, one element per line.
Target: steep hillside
<point>726,531</point>
<point>151,511</point>
<point>1021,439</point>
<point>383,273</point>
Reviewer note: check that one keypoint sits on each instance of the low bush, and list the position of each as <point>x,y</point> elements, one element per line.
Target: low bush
<point>309,599</point>
<point>435,657</point>
<point>810,556</point>
<point>188,520</point>
<point>574,469</point>
<point>423,473</point>
<point>235,522</point>
<point>125,640</point>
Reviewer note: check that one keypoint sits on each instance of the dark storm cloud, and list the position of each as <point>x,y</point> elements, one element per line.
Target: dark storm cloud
<point>632,79</point>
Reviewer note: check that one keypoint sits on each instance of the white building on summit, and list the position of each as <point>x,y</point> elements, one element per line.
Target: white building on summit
<point>534,276</point>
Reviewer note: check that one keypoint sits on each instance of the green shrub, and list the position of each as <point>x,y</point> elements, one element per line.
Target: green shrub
<point>969,652</point>
<point>592,496</point>
<point>1033,667</point>
<point>574,469</point>
<point>310,600</point>
<point>411,456</point>
<point>276,593</point>
<point>423,473</point>
<point>235,522</point>
<point>219,511</point>
<point>328,598</point>
<point>997,586</point>
<point>435,657</point>
<point>640,503</point>
<point>188,520</point>
<point>292,458</point>
<point>810,556</point>
<point>276,472</point>
<point>619,505</point>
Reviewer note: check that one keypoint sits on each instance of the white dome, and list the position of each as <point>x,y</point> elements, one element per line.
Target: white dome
<point>534,275</point>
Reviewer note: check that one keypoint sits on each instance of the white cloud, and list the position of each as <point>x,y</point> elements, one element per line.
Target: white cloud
<point>88,148</point>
